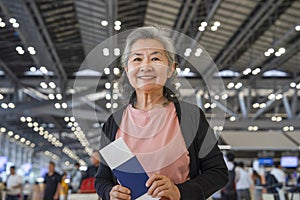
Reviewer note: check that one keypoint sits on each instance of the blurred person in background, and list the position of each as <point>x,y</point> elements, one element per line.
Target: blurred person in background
<point>76,176</point>
<point>52,183</point>
<point>36,192</point>
<point>27,190</point>
<point>229,191</point>
<point>257,179</point>
<point>64,189</point>
<point>13,185</point>
<point>278,173</point>
<point>92,169</point>
<point>243,182</point>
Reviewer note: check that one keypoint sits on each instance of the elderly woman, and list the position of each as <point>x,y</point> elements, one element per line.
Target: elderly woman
<point>168,136</point>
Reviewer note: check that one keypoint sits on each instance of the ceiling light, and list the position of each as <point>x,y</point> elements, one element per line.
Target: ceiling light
<point>118,23</point>
<point>298,86</point>
<point>52,85</point>
<point>186,71</point>
<point>107,96</point>
<point>297,28</point>
<point>256,71</point>
<point>117,28</point>
<point>286,128</point>
<point>214,28</point>
<point>224,96</point>
<point>11,105</point>
<point>30,49</point>
<point>59,96</point>
<point>204,24</point>
<point>43,85</point>
<point>51,96</point>
<point>32,69</point>
<point>255,105</point>
<point>273,118</point>
<point>293,84</point>
<point>107,85</point>
<point>64,105</point>
<point>117,52</point>
<point>17,137</point>
<point>29,124</point>
<point>278,96</point>
<point>277,54</point>
<point>201,28</point>
<point>213,105</point>
<point>232,118</point>
<point>207,105</point>
<point>32,145</point>
<point>115,105</point>
<point>1,96</point>
<point>16,25</point>
<point>72,119</point>
<point>57,105</point>
<point>271,50</point>
<point>29,119</point>
<point>104,23</point>
<point>267,54</point>
<point>230,85</point>
<point>106,70</point>
<point>43,69</point>
<point>12,20</point>
<point>278,119</point>
<point>217,23</point>
<point>4,105</point>
<point>187,54</point>
<point>115,96</point>
<point>262,105</point>
<point>2,24</point>
<point>10,133</point>
<point>281,50</point>
<point>116,71</point>
<point>66,119</point>
<point>105,51</point>
<point>22,140</point>
<point>108,105</point>
<point>19,48</point>
<point>2,129</point>
<point>21,52</point>
<point>238,85</point>
<point>271,96</point>
<point>247,71</point>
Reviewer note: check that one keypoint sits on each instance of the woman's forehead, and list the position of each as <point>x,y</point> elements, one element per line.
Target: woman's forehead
<point>147,44</point>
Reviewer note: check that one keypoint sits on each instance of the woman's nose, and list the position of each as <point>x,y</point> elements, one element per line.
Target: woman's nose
<point>146,66</point>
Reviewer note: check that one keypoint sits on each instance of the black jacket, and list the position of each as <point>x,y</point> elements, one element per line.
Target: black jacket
<point>208,171</point>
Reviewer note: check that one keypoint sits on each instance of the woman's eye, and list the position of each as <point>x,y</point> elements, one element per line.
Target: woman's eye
<point>137,59</point>
<point>155,59</point>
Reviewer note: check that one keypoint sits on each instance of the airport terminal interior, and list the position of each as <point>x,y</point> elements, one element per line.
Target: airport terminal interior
<point>238,60</point>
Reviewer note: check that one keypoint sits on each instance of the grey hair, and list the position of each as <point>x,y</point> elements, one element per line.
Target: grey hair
<point>160,35</point>
<point>149,33</point>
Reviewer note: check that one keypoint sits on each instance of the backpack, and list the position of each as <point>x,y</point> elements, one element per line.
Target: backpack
<point>272,184</point>
<point>230,187</point>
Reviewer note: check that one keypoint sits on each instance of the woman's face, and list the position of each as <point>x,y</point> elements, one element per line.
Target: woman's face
<point>147,68</point>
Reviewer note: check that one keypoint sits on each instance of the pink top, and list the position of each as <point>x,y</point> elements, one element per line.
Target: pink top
<point>155,138</point>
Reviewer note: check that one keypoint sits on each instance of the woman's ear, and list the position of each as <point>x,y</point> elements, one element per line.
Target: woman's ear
<point>126,69</point>
<point>171,70</point>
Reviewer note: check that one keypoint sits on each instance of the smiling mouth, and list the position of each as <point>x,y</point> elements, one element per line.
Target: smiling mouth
<point>146,77</point>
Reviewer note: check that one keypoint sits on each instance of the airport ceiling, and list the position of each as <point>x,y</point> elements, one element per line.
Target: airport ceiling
<point>43,43</point>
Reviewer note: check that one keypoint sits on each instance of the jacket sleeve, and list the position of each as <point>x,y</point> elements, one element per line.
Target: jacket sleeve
<point>212,173</point>
<point>104,178</point>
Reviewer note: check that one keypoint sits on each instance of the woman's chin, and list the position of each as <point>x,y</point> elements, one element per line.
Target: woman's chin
<point>149,87</point>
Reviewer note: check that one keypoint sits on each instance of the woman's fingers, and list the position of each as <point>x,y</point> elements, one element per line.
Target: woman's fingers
<point>119,192</point>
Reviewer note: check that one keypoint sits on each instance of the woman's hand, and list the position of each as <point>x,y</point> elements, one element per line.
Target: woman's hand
<point>119,192</point>
<point>162,187</point>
